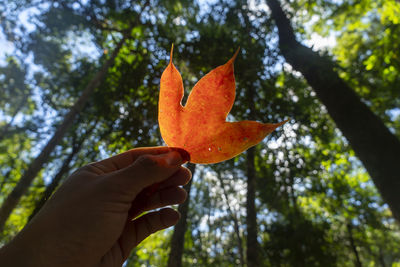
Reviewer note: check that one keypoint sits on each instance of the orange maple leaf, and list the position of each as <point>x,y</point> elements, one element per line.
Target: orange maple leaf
<point>200,127</point>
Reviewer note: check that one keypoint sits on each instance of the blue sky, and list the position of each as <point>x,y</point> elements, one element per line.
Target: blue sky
<point>6,47</point>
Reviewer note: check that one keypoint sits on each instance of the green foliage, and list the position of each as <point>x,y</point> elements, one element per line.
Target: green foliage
<point>313,195</point>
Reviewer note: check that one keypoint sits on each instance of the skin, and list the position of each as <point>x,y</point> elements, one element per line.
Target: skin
<point>92,218</point>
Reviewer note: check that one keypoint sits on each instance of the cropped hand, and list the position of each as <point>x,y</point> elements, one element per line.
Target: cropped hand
<point>91,220</point>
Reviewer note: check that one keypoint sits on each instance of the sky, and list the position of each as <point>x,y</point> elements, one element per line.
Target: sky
<point>80,47</point>
<point>6,47</point>
<point>316,41</point>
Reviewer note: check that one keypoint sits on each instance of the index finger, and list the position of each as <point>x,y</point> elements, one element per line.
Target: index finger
<point>125,159</point>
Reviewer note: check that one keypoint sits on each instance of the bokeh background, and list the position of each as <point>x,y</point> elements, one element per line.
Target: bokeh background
<point>79,81</point>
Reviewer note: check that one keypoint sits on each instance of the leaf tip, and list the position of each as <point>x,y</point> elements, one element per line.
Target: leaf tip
<point>282,123</point>
<point>235,55</point>
<point>171,53</point>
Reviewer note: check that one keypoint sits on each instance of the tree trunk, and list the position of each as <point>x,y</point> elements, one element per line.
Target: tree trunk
<point>381,257</point>
<point>76,147</point>
<point>28,176</point>
<point>53,185</point>
<point>6,128</point>
<point>357,261</point>
<point>253,255</point>
<point>376,147</point>
<point>178,237</point>
<point>235,222</point>
<point>6,177</point>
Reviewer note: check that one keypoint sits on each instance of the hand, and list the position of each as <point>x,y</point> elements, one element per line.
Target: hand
<point>90,220</point>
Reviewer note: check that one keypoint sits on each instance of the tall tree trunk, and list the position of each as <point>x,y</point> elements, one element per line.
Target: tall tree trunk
<point>53,184</point>
<point>235,221</point>
<point>381,257</point>
<point>376,147</point>
<point>253,255</point>
<point>76,147</point>
<point>28,176</point>
<point>6,177</point>
<point>357,261</point>
<point>4,130</point>
<point>178,237</point>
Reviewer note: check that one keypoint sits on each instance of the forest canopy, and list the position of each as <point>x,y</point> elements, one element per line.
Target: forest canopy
<point>80,81</point>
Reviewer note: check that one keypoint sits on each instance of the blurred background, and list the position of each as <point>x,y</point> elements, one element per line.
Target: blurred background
<point>79,81</point>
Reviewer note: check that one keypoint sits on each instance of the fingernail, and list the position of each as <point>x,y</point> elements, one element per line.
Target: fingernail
<point>173,159</point>
<point>184,154</point>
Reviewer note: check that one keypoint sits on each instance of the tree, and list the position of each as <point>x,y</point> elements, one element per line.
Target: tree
<point>15,98</point>
<point>64,169</point>
<point>312,201</point>
<point>178,236</point>
<point>377,148</point>
<point>235,220</point>
<point>25,181</point>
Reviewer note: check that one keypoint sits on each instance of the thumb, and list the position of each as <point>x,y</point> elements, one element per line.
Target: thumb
<point>149,169</point>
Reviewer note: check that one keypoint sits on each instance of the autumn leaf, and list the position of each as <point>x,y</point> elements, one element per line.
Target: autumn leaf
<point>200,127</point>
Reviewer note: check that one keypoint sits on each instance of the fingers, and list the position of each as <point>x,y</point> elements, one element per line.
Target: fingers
<point>146,170</point>
<point>141,202</point>
<point>167,193</point>
<point>165,197</point>
<point>136,231</point>
<point>125,159</point>
<point>181,177</point>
